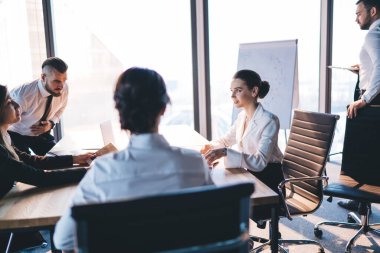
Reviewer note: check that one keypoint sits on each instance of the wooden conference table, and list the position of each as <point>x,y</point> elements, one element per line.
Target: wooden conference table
<point>27,207</point>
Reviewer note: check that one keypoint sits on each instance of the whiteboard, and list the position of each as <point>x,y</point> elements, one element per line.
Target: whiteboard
<point>276,62</point>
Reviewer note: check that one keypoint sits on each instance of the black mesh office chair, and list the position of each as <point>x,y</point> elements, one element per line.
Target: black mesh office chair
<point>305,157</point>
<point>360,173</point>
<point>201,219</point>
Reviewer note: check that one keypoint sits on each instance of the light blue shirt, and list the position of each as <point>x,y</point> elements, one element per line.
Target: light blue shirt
<point>370,63</point>
<point>148,166</point>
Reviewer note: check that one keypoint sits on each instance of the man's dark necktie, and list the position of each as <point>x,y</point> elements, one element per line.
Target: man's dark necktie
<point>357,90</point>
<point>47,108</point>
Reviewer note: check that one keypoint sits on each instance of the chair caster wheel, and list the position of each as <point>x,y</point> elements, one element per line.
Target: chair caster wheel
<point>318,233</point>
<point>251,245</point>
<point>350,219</point>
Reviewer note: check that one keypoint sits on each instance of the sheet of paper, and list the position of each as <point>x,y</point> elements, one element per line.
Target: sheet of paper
<point>345,68</point>
<point>106,149</point>
<point>109,148</point>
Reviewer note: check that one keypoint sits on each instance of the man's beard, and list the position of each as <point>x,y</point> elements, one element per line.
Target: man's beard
<point>51,92</point>
<point>366,25</point>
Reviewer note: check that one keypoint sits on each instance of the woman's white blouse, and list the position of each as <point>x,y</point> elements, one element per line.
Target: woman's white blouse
<point>256,146</point>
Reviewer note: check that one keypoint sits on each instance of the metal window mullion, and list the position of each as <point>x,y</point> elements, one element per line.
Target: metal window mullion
<point>50,49</point>
<point>326,36</point>
<point>201,67</point>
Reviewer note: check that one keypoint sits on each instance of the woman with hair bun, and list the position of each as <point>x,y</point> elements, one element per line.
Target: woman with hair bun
<point>254,134</point>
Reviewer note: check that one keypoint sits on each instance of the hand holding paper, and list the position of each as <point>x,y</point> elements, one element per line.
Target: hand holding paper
<point>354,69</point>
<point>109,148</point>
<point>106,149</point>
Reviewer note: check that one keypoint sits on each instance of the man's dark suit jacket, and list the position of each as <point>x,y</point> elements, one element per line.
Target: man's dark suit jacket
<point>30,170</point>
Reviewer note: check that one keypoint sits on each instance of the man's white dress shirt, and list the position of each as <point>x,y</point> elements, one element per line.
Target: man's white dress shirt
<point>369,72</point>
<point>148,166</point>
<point>255,147</point>
<point>32,99</point>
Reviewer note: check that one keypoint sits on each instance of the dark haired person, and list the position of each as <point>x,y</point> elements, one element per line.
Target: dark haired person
<point>368,18</point>
<point>17,166</point>
<point>254,133</point>
<point>251,142</point>
<point>149,165</point>
<point>42,103</point>
<point>368,86</point>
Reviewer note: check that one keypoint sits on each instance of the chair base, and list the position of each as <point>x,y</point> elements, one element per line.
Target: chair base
<point>267,243</point>
<point>362,224</point>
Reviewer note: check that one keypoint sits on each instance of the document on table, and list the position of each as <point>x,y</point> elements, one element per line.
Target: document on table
<point>345,68</point>
<point>109,148</point>
<point>106,149</point>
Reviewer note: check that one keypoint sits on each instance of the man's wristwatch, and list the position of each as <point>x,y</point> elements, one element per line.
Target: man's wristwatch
<point>52,124</point>
<point>225,152</point>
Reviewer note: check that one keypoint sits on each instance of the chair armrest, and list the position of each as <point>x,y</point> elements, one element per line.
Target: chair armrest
<point>291,180</point>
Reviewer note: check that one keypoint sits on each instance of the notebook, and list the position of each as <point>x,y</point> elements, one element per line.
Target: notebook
<point>114,135</point>
<point>108,140</point>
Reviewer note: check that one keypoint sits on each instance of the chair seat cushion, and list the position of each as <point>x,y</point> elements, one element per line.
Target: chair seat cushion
<point>348,188</point>
<point>298,204</point>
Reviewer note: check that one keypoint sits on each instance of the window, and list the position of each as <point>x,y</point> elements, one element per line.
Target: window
<point>100,39</point>
<point>345,54</point>
<point>22,41</point>
<point>247,21</point>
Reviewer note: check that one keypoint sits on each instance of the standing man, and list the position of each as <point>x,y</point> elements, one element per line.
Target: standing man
<point>368,18</point>
<point>42,103</point>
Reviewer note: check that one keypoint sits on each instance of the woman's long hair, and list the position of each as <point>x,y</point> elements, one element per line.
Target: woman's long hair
<point>5,140</point>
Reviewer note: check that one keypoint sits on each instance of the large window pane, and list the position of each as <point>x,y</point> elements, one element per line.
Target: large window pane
<point>22,41</point>
<point>100,39</point>
<point>233,22</point>
<point>347,41</point>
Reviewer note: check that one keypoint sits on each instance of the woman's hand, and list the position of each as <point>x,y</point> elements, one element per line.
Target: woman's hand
<point>214,154</point>
<point>83,159</point>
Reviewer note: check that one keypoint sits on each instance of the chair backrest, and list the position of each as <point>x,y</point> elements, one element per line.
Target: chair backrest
<point>309,143</point>
<point>200,219</point>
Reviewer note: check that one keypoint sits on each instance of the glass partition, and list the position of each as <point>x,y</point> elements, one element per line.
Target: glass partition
<point>100,39</point>
<point>347,41</point>
<point>22,41</point>
<point>245,21</point>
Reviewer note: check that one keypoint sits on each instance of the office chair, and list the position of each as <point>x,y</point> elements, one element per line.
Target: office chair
<point>305,157</point>
<point>360,174</point>
<point>200,219</point>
